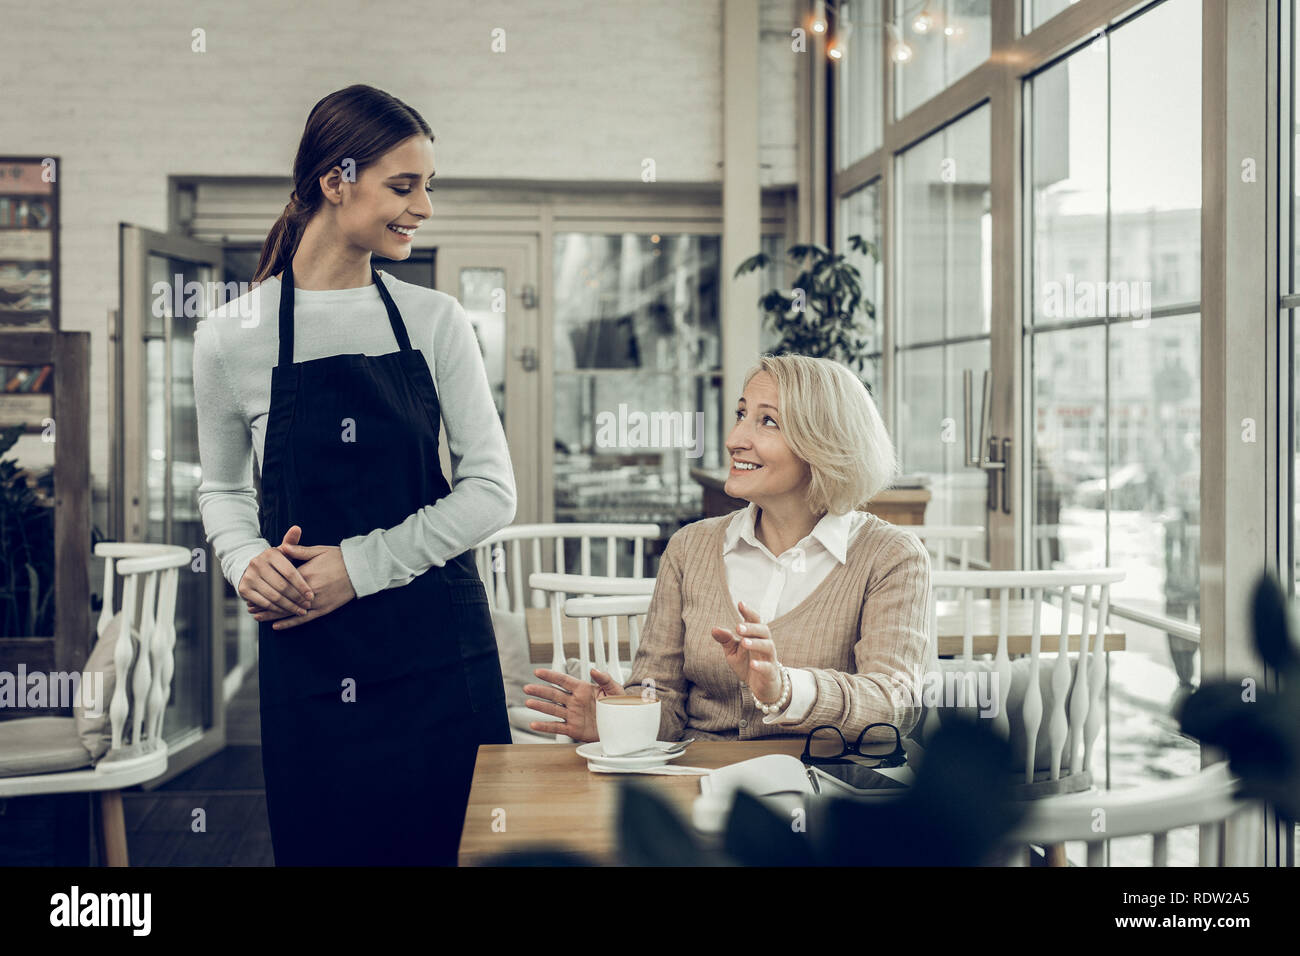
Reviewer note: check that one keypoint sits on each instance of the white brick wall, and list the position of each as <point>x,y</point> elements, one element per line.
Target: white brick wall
<point>583,91</point>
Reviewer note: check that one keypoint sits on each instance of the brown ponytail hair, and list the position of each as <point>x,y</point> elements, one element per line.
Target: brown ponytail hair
<point>358,123</point>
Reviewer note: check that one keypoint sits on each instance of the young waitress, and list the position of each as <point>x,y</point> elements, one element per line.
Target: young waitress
<point>377,663</point>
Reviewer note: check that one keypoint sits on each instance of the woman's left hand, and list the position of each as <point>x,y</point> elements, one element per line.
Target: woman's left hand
<point>751,655</point>
<point>326,575</point>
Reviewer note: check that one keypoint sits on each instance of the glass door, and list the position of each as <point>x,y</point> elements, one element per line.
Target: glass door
<point>495,283</point>
<point>944,313</point>
<point>168,284</point>
<point>637,346</point>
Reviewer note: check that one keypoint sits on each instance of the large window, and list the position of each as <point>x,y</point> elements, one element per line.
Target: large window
<point>1115,335</point>
<point>1096,314</point>
<point>944,286</point>
<point>1113,340</point>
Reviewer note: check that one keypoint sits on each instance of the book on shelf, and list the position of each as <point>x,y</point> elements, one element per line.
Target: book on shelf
<point>29,379</point>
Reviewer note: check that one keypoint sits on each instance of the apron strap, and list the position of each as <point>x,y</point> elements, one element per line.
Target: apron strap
<point>394,317</point>
<point>286,314</point>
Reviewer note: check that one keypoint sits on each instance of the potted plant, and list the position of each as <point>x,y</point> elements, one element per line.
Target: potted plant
<point>819,315</point>
<point>26,549</point>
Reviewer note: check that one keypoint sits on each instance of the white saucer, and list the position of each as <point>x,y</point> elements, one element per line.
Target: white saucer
<point>595,754</point>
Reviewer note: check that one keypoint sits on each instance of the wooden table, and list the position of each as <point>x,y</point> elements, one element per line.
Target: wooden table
<point>984,621</point>
<point>531,795</point>
<point>541,642</point>
<point>985,617</point>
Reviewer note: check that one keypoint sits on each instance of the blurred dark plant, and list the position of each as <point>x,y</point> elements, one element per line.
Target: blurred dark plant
<point>957,813</point>
<point>26,547</point>
<point>819,315</point>
<point>1259,729</point>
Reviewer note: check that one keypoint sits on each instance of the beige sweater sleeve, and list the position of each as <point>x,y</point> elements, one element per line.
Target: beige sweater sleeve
<point>890,654</point>
<point>660,654</point>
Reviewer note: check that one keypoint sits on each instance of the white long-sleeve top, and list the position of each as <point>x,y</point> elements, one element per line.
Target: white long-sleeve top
<point>235,348</point>
<point>772,585</point>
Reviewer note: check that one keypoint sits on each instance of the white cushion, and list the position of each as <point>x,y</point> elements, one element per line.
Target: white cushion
<point>40,745</point>
<point>512,647</point>
<point>96,730</point>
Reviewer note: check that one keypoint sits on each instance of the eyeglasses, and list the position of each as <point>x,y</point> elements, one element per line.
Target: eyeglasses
<point>826,745</point>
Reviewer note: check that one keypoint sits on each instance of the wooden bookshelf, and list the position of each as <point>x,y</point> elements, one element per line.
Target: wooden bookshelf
<point>19,408</point>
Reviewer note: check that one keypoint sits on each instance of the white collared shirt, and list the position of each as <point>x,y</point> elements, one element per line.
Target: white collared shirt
<point>774,585</point>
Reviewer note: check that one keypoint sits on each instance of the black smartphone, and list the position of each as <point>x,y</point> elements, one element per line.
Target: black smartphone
<point>857,778</point>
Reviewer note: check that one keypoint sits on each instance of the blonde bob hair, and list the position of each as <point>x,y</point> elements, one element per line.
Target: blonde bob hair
<point>829,421</point>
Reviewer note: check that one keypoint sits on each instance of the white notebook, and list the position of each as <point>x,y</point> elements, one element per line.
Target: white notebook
<point>771,773</point>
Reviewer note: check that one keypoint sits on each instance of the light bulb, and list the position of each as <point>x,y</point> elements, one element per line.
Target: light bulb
<point>902,52</point>
<point>819,17</point>
<point>923,22</point>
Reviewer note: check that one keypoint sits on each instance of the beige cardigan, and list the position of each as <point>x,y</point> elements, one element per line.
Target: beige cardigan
<point>862,633</point>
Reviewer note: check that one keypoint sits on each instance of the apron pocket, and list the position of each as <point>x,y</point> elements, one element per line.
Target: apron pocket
<point>472,620</point>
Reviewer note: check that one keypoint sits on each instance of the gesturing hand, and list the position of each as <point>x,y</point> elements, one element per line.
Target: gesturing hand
<point>752,655</point>
<point>573,706</point>
<point>326,575</point>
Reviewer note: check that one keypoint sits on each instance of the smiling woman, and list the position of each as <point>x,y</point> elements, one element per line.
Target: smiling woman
<point>798,611</point>
<point>377,662</point>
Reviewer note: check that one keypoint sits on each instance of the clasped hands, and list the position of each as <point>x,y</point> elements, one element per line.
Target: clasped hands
<point>274,589</point>
<point>750,654</point>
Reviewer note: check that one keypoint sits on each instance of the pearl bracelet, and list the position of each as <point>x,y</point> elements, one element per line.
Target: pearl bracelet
<point>783,701</point>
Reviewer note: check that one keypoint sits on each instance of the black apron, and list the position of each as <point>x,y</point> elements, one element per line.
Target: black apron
<point>371,714</point>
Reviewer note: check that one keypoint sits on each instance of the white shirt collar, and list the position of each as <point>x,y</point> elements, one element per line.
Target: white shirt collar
<point>832,531</point>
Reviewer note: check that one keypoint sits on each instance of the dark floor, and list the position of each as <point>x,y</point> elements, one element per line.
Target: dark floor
<point>160,827</point>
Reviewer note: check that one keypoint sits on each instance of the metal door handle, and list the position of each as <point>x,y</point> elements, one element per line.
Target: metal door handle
<point>527,357</point>
<point>987,446</point>
<point>1006,475</point>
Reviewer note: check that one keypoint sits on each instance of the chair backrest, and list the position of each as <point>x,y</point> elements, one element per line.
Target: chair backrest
<point>1205,800</point>
<point>1066,728</point>
<point>556,588</point>
<point>147,685</point>
<point>944,541</point>
<point>501,557</point>
<point>630,607</point>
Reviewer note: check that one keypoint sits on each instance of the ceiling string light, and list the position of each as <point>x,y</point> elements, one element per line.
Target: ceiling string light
<point>919,16</point>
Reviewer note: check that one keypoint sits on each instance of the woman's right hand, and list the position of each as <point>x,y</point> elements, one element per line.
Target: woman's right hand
<point>575,703</point>
<point>272,581</point>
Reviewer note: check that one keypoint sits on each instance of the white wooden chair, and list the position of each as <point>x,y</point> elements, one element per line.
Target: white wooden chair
<point>140,694</point>
<point>609,609</point>
<point>506,559</point>
<point>1052,736</point>
<point>505,588</point>
<point>941,540</point>
<point>556,590</point>
<point>1204,800</point>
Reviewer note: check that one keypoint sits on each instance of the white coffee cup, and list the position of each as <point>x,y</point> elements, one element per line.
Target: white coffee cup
<point>626,723</point>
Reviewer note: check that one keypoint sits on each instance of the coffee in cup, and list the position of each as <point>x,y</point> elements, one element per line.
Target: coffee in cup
<point>626,723</point>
